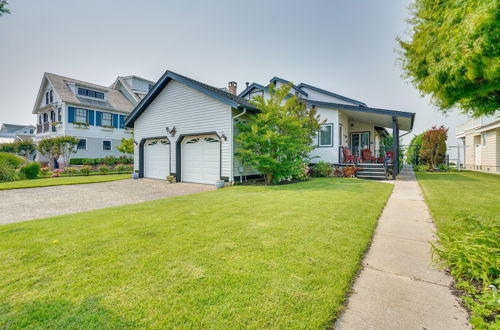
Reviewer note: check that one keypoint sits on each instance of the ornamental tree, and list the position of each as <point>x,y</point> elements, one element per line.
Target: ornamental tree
<point>48,147</point>
<point>66,146</point>
<point>453,53</point>
<point>277,140</point>
<point>433,150</point>
<point>24,148</point>
<point>126,146</point>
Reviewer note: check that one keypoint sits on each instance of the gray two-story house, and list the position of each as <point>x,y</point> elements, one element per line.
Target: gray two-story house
<point>92,113</point>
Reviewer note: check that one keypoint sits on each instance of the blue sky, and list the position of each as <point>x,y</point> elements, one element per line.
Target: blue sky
<point>348,47</point>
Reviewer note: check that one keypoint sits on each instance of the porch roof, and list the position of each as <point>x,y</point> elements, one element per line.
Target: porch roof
<point>378,117</point>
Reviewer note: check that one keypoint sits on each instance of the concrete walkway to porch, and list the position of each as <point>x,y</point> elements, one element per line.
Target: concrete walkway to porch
<point>398,287</point>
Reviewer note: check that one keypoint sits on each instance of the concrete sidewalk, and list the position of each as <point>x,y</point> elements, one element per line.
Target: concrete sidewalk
<point>398,287</point>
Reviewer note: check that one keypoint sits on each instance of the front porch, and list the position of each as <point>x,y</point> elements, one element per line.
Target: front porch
<point>363,137</point>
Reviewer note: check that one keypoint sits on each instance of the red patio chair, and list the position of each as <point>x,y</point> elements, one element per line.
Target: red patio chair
<point>348,156</point>
<point>367,156</point>
<point>389,154</point>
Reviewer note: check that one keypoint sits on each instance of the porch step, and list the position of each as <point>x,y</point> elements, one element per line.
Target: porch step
<point>371,171</point>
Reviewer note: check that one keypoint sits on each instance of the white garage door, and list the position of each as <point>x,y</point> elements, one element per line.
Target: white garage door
<point>157,159</point>
<point>200,160</point>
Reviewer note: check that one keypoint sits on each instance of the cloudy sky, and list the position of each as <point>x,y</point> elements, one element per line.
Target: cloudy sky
<point>348,47</point>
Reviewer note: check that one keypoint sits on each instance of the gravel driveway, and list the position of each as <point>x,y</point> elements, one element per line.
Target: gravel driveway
<point>25,204</point>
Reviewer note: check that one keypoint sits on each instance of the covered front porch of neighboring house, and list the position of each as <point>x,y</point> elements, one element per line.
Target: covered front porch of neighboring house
<point>361,137</point>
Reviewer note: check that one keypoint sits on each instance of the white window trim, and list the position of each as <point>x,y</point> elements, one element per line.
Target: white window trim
<point>86,144</point>
<point>110,118</point>
<point>86,115</point>
<point>331,136</point>
<point>110,145</point>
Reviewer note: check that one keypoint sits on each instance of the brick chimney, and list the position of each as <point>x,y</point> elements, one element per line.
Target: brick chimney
<point>231,87</point>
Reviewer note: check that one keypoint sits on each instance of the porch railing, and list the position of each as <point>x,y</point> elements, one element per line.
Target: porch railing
<point>355,155</point>
<point>45,127</point>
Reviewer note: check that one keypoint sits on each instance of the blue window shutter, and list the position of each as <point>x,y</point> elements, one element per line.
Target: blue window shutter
<point>115,120</point>
<point>122,121</point>
<point>98,118</point>
<point>91,117</point>
<point>71,115</point>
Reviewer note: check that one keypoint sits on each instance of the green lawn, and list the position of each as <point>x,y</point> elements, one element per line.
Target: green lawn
<point>454,198</point>
<point>239,257</point>
<point>45,182</point>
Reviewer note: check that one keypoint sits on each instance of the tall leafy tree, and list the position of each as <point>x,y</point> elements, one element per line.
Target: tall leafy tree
<point>453,53</point>
<point>277,140</point>
<point>3,7</point>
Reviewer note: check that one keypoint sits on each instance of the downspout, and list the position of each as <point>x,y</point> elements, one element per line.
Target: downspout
<point>232,145</point>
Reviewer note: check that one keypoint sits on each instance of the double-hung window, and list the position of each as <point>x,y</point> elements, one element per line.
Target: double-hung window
<point>51,96</point>
<point>106,145</point>
<point>82,144</point>
<point>326,136</point>
<point>106,119</point>
<point>80,115</point>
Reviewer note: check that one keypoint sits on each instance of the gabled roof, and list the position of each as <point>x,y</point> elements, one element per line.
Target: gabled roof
<point>283,81</point>
<point>217,93</point>
<point>13,127</point>
<point>250,88</point>
<point>319,90</point>
<point>115,100</point>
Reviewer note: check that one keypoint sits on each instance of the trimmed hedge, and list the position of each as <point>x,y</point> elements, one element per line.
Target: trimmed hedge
<point>108,160</point>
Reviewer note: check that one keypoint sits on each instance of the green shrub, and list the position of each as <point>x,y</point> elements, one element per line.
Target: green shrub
<point>125,160</point>
<point>31,171</point>
<point>85,170</point>
<point>7,171</point>
<point>88,161</point>
<point>76,161</point>
<point>13,160</point>
<point>98,161</point>
<point>103,169</point>
<point>110,160</point>
<point>123,168</point>
<point>322,169</point>
<point>71,170</point>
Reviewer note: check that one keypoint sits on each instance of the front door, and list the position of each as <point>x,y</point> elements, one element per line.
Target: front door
<point>360,141</point>
<point>477,156</point>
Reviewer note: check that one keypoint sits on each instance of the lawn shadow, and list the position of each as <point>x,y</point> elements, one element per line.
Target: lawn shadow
<point>57,314</point>
<point>323,184</point>
<point>445,177</point>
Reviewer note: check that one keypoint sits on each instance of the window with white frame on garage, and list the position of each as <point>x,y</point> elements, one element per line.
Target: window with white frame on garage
<point>326,135</point>
<point>106,145</point>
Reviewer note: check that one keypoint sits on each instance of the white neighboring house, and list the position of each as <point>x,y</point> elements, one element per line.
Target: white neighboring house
<point>481,139</point>
<point>92,113</point>
<point>10,133</point>
<point>185,128</point>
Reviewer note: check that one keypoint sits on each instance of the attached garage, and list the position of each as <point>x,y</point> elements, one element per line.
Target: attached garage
<point>201,159</point>
<point>156,158</point>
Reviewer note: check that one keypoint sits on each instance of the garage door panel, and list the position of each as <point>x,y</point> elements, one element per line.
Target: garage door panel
<point>157,159</point>
<point>201,159</point>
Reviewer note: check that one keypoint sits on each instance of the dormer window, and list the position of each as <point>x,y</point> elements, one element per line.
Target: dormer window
<point>90,93</point>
